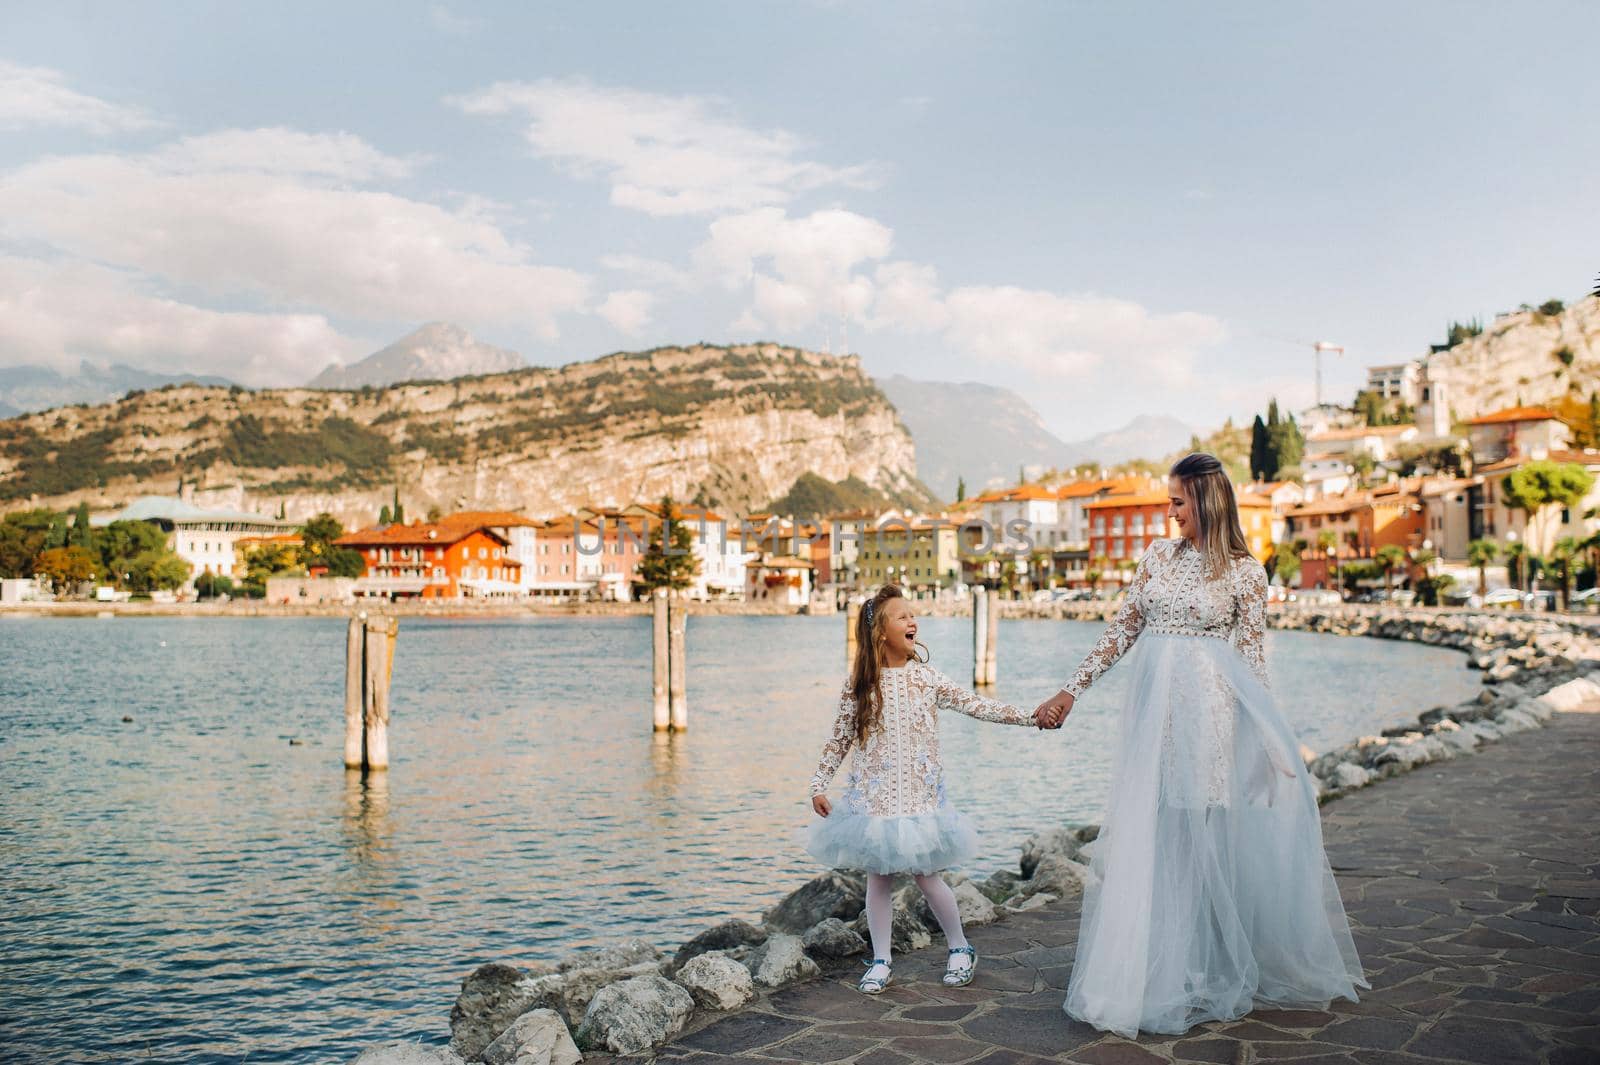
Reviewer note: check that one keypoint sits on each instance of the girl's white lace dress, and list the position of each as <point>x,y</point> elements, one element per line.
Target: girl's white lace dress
<point>893,816</point>
<point>1212,890</point>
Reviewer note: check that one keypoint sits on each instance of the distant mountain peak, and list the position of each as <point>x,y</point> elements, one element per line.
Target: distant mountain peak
<point>437,351</point>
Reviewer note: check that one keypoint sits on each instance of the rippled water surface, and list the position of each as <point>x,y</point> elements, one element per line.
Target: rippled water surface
<point>191,886</point>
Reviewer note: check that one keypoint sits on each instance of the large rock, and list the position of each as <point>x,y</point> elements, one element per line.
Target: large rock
<point>491,998</point>
<point>833,894</point>
<point>1573,695</point>
<point>729,935</point>
<point>538,1037</point>
<point>1000,886</point>
<point>569,993</point>
<point>716,982</point>
<point>402,1053</point>
<point>832,939</point>
<point>780,961</point>
<point>635,1015</point>
<point>622,954</point>
<point>1348,775</point>
<point>1057,876</point>
<point>973,907</point>
<point>1066,841</point>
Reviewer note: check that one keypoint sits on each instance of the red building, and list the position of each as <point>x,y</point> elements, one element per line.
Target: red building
<point>1122,527</point>
<point>443,560</point>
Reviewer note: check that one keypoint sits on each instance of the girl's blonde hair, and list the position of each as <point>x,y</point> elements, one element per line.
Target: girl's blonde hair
<point>866,672</point>
<point>1220,536</point>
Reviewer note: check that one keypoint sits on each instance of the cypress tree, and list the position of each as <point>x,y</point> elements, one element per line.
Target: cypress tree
<point>1258,450</point>
<point>82,535</point>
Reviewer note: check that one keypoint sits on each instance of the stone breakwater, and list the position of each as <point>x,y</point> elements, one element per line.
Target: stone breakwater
<point>629,997</point>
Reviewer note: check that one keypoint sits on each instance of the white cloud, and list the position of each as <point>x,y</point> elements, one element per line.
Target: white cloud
<point>649,271</point>
<point>56,314</point>
<point>664,155</point>
<point>273,216</point>
<point>908,298</point>
<point>628,310</point>
<point>37,96</point>
<point>453,22</point>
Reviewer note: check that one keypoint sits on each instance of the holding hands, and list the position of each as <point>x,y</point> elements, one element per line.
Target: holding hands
<point>1054,710</point>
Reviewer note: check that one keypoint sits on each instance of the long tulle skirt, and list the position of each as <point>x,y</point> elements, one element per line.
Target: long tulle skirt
<point>923,843</point>
<point>1212,891</point>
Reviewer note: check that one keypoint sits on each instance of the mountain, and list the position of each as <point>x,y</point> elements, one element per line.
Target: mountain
<point>984,433</point>
<point>1525,358</point>
<point>732,427</point>
<point>31,388</point>
<point>1147,436</point>
<point>438,351</point>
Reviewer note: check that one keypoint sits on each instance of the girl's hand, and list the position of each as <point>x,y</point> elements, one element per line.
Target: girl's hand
<point>1054,710</point>
<point>821,804</point>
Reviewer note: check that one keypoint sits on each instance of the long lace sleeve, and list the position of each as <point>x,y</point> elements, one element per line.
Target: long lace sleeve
<point>948,695</point>
<point>1118,637</point>
<point>1249,635</point>
<point>839,743</point>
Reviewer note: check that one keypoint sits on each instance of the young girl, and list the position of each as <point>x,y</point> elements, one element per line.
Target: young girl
<point>894,817</point>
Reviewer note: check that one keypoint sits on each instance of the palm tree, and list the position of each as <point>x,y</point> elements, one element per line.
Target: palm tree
<point>1389,558</point>
<point>1516,553</point>
<point>1562,552</point>
<point>1480,553</point>
<point>1328,543</point>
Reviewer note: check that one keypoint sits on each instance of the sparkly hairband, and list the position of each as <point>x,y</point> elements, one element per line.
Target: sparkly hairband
<point>867,611</point>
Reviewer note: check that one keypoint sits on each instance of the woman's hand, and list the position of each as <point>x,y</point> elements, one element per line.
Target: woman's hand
<point>1054,710</point>
<point>821,804</point>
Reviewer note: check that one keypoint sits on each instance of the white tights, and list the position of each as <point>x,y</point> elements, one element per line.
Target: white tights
<point>880,911</point>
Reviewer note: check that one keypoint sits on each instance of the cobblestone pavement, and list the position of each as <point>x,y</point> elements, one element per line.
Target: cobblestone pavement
<point>1473,888</point>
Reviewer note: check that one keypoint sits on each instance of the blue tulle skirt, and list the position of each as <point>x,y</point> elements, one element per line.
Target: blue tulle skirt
<point>1212,894</point>
<point>924,843</point>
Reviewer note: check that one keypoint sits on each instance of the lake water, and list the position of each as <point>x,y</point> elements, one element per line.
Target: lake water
<point>192,887</point>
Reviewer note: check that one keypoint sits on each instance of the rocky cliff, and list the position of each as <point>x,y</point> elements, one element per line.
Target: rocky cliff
<point>735,427</point>
<point>1525,358</point>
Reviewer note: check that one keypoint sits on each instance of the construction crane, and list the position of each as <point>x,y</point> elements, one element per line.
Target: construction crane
<point>1317,349</point>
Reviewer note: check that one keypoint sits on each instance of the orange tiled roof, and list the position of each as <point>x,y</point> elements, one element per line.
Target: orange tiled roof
<point>1359,431</point>
<point>1251,499</point>
<point>415,534</point>
<point>1513,414</point>
<point>1132,499</point>
<point>502,519</point>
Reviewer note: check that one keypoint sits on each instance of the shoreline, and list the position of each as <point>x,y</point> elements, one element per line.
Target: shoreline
<point>631,997</point>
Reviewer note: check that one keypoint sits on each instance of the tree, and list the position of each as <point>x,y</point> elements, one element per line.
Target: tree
<point>82,535</point>
<point>318,536</point>
<point>161,569</point>
<point>1479,554</point>
<point>399,512</point>
<point>1287,445</point>
<point>65,567</point>
<point>1516,553</point>
<point>961,489</point>
<point>1552,307</point>
<point>213,585</point>
<point>1285,564</point>
<point>1389,558</point>
<point>1429,589</point>
<point>434,514</point>
<point>385,516</point>
<point>121,543</point>
<point>22,538</point>
<point>1364,464</point>
<point>1260,458</point>
<point>1541,490</point>
<point>669,561</point>
<point>1562,553</point>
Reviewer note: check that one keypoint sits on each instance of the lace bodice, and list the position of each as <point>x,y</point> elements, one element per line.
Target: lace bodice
<point>1170,594</point>
<point>899,772</point>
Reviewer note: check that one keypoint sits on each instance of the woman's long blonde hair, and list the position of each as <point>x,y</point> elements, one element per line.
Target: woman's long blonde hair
<point>866,672</point>
<point>1219,534</point>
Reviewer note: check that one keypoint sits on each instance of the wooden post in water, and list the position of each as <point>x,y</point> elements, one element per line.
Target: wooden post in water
<point>658,665</point>
<point>379,658</point>
<point>980,634</point>
<point>677,665</point>
<point>852,619</point>
<point>354,691</point>
<point>991,641</point>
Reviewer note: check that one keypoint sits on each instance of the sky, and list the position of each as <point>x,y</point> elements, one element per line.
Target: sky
<point>1114,209</point>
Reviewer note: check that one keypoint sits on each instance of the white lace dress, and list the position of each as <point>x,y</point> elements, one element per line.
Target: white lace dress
<point>892,816</point>
<point>1212,892</point>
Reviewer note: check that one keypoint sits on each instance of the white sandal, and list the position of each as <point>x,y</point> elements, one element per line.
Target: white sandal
<point>960,975</point>
<point>874,985</point>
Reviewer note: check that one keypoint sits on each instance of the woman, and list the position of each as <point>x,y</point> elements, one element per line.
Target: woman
<point>1212,892</point>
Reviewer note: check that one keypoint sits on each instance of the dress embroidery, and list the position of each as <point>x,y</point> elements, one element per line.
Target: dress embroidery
<point>1170,594</point>
<point>900,773</point>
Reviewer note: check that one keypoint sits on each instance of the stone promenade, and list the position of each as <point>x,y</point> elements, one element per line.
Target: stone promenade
<point>1473,887</point>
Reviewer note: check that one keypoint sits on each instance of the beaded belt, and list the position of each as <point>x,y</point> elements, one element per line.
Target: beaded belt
<point>1182,630</point>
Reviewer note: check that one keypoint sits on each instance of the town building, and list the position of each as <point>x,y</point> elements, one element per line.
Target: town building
<point>1400,381</point>
<point>922,556</point>
<point>434,560</point>
<point>1516,433</point>
<point>1122,528</point>
<point>1377,441</point>
<point>206,539</point>
<point>781,579</point>
<point>718,549</point>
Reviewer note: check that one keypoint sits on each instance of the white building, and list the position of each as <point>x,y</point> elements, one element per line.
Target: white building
<point>203,538</point>
<point>1400,381</point>
<point>1379,441</point>
<point>782,579</point>
<point>716,545</point>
